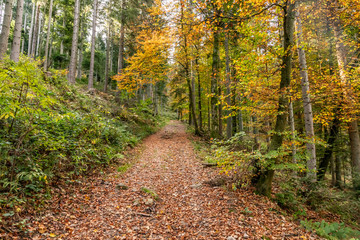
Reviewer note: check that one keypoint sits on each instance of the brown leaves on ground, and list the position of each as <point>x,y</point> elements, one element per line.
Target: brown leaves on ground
<point>185,207</point>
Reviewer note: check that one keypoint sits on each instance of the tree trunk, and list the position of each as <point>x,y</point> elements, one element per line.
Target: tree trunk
<point>293,134</point>
<point>31,29</point>
<point>92,59</point>
<point>214,85</point>
<point>229,130</point>
<point>62,41</point>
<point>48,37</point>
<point>121,40</point>
<point>72,66</point>
<point>308,114</point>
<point>325,160</point>
<point>5,30</point>
<point>35,31</point>
<point>108,43</point>
<point>37,53</point>
<point>341,55</point>
<point>15,51</point>
<point>199,94</point>
<point>264,182</point>
<point>23,39</point>
<point>338,182</point>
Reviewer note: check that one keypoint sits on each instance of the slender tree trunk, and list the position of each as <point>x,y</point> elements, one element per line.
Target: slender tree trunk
<point>325,160</point>
<point>308,113</point>
<point>293,134</point>
<point>199,94</point>
<point>214,85</point>
<point>229,130</point>
<point>108,43</point>
<point>5,30</point>
<point>121,40</point>
<point>31,29</point>
<point>48,37</point>
<point>338,182</point>
<point>92,59</point>
<point>23,39</point>
<point>15,51</point>
<point>62,41</point>
<point>80,52</point>
<point>341,55</point>
<point>264,181</point>
<point>37,53</point>
<point>72,66</point>
<point>35,31</point>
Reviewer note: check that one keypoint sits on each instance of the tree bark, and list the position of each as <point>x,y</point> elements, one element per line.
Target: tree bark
<point>15,51</point>
<point>5,30</point>
<point>72,66</point>
<point>48,37</point>
<point>92,59</point>
<point>264,181</point>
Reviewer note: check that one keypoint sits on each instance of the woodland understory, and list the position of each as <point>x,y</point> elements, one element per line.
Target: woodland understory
<point>253,106</point>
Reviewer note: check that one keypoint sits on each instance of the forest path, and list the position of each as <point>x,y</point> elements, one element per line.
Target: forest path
<point>186,208</point>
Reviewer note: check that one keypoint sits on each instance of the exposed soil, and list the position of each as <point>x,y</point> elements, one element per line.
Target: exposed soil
<point>181,205</point>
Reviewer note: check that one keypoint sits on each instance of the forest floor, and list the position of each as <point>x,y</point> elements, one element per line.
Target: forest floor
<point>162,196</point>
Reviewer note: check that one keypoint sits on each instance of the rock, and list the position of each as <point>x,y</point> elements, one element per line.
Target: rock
<point>231,238</point>
<point>122,187</point>
<point>196,185</point>
<point>149,201</point>
<point>245,235</point>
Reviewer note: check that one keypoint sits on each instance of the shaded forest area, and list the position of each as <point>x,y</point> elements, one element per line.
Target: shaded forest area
<point>271,87</point>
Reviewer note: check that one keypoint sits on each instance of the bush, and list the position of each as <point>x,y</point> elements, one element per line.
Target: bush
<point>331,230</point>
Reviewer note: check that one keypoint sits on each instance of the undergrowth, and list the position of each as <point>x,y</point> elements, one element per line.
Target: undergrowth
<point>50,130</point>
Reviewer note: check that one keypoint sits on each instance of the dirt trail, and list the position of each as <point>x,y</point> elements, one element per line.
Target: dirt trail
<point>186,208</point>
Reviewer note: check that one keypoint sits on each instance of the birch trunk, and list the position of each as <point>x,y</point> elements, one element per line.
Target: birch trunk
<point>308,113</point>
<point>92,59</point>
<point>74,46</point>
<point>48,37</point>
<point>31,29</point>
<point>5,30</point>
<point>15,51</point>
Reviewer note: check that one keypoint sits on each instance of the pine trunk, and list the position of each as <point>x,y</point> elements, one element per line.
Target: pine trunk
<point>72,66</point>
<point>15,51</point>
<point>5,30</point>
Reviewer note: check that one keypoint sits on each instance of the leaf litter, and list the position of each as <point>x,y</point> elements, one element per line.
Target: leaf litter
<point>161,197</point>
